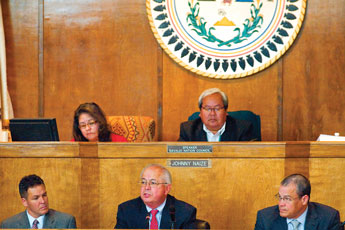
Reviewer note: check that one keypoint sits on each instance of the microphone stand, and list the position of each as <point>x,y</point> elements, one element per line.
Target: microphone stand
<point>172,216</point>
<point>148,220</point>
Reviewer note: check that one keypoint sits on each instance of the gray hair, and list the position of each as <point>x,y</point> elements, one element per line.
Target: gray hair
<point>302,184</point>
<point>210,91</point>
<point>166,176</point>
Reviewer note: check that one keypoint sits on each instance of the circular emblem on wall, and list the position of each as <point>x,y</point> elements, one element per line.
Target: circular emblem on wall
<point>225,39</point>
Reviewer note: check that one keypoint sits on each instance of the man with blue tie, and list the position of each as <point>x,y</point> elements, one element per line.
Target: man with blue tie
<point>37,215</point>
<point>295,211</point>
<point>155,208</point>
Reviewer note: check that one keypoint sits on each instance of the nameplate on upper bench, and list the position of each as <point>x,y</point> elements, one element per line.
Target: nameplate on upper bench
<point>189,163</point>
<point>190,149</point>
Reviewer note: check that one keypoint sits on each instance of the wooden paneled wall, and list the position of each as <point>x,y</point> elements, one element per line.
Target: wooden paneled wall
<point>63,53</point>
<point>90,180</point>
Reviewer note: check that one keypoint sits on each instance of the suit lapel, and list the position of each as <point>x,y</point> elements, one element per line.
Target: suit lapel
<point>142,222</point>
<point>200,134</point>
<point>227,135</point>
<point>280,224</point>
<point>311,221</point>
<point>165,221</point>
<point>23,221</point>
<point>49,220</point>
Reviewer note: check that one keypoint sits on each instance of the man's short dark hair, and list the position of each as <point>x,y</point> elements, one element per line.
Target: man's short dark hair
<point>302,184</point>
<point>29,182</point>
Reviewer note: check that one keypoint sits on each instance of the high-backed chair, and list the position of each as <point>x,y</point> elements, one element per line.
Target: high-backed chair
<point>202,224</point>
<point>133,128</point>
<point>241,115</point>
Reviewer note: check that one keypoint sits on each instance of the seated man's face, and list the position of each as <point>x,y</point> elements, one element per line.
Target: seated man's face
<point>290,204</point>
<point>216,117</point>
<point>154,195</point>
<point>36,201</point>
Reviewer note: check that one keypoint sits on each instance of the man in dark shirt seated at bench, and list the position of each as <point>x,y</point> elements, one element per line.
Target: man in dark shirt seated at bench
<point>214,123</point>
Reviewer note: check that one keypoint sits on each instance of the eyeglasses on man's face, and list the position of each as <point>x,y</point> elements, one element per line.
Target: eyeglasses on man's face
<point>152,183</point>
<point>90,123</point>
<point>286,199</point>
<point>210,109</point>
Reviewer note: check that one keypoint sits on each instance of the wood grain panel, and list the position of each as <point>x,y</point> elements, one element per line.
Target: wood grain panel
<point>314,83</point>
<point>221,150</point>
<point>326,178</point>
<point>181,90</point>
<point>97,51</point>
<point>89,192</point>
<point>326,149</point>
<point>39,149</point>
<point>21,36</point>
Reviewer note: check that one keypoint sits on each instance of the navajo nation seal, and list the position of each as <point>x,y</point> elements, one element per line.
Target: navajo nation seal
<point>225,39</point>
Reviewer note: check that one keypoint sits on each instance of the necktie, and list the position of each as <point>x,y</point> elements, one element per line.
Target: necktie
<point>295,224</point>
<point>34,224</point>
<point>154,223</point>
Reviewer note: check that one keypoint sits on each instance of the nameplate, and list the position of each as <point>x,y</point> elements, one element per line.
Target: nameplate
<point>190,163</point>
<point>190,148</point>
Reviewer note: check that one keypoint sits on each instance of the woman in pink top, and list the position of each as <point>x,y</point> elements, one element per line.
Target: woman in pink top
<point>90,124</point>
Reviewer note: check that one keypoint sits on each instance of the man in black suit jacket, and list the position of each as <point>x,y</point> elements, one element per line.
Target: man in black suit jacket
<point>34,197</point>
<point>214,124</point>
<point>155,186</point>
<point>293,196</point>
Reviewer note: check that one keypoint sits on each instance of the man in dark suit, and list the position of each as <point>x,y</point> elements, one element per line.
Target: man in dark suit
<point>214,123</point>
<point>37,215</point>
<point>295,212</point>
<point>155,208</point>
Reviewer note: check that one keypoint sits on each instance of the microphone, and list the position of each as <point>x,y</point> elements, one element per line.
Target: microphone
<point>172,215</point>
<point>147,218</point>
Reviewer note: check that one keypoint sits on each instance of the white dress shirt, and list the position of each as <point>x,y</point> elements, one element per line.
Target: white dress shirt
<point>31,220</point>
<point>214,137</point>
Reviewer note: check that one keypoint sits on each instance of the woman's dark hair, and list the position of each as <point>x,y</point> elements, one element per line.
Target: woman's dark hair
<point>96,112</point>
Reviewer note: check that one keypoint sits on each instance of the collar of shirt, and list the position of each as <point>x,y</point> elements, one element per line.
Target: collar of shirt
<point>31,220</point>
<point>214,137</point>
<point>300,219</point>
<point>159,214</point>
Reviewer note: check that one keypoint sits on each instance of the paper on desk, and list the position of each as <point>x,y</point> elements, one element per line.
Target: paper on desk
<point>324,137</point>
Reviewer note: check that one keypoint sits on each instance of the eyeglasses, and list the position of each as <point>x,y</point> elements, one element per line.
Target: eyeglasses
<point>286,199</point>
<point>89,123</point>
<point>215,109</point>
<point>151,183</point>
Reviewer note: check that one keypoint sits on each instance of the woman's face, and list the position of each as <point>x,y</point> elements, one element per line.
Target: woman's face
<point>88,127</point>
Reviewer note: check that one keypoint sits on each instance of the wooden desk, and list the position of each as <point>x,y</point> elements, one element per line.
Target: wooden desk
<point>89,180</point>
